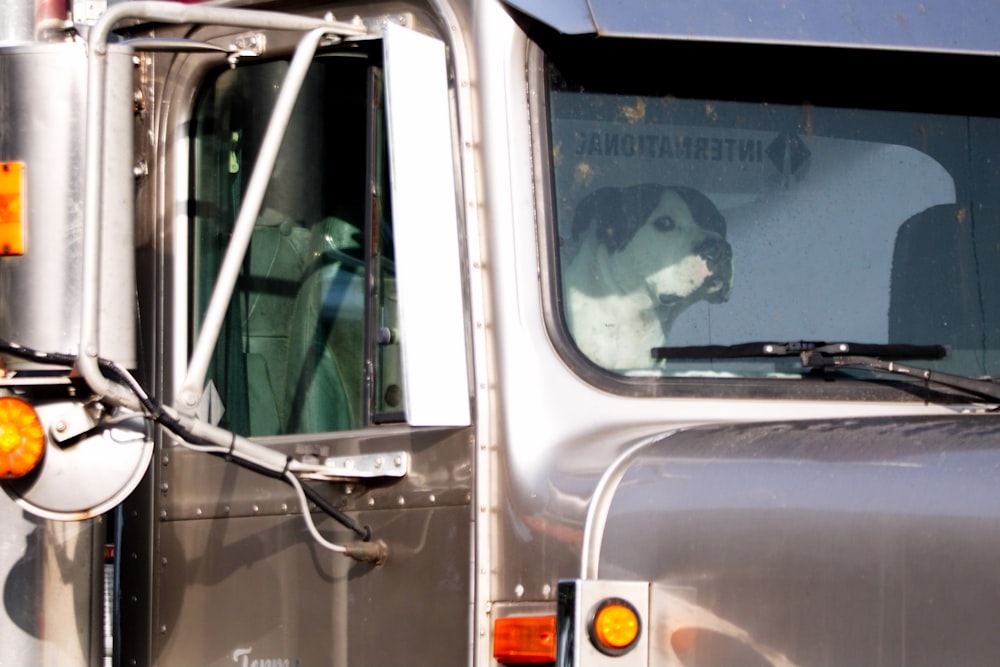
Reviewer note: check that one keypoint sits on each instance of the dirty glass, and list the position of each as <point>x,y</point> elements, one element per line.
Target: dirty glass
<point>293,353</point>
<point>686,219</point>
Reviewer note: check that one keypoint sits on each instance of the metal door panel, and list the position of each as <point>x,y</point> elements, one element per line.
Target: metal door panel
<point>259,588</point>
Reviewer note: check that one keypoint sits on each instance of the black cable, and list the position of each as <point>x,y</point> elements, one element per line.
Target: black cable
<point>364,532</point>
<point>156,413</point>
<point>174,426</point>
<point>53,358</point>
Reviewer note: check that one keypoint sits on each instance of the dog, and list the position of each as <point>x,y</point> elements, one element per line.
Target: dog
<point>642,255</point>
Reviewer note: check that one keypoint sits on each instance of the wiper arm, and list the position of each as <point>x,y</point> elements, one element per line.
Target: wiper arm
<point>977,386</point>
<point>795,348</point>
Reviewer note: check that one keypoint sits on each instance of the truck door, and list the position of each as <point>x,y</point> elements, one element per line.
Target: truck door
<point>341,344</point>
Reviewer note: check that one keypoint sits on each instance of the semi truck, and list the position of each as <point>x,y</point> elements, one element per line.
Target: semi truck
<point>499,332</point>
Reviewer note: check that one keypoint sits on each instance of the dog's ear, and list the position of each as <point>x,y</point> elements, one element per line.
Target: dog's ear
<point>636,205</point>
<point>616,213</point>
<point>596,209</point>
<point>703,211</point>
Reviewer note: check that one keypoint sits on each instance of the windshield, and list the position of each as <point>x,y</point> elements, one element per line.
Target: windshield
<point>693,219</point>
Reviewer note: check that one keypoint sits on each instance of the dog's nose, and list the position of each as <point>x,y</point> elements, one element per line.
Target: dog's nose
<point>718,255</point>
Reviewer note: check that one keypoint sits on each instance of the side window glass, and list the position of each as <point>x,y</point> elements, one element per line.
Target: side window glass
<point>297,352</point>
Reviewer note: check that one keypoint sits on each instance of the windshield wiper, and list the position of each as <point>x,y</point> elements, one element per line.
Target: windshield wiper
<point>796,348</point>
<point>869,356</point>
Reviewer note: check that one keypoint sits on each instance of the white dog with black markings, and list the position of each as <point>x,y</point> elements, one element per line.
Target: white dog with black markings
<point>643,254</point>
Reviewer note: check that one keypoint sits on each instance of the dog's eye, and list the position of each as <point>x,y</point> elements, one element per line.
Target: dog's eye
<point>664,224</point>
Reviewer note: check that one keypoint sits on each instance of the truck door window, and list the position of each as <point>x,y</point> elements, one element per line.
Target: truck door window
<point>297,353</point>
<point>697,211</point>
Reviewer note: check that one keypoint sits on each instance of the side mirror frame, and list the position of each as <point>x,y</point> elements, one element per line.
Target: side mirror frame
<point>425,230</point>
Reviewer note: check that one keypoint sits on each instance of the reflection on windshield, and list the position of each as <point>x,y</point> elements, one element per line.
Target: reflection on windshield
<point>687,222</point>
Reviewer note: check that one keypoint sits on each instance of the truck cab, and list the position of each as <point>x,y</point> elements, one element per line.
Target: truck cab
<point>502,332</point>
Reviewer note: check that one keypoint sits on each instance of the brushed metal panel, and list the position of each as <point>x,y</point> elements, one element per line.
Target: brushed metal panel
<point>937,25</point>
<point>259,588</point>
<point>43,93</point>
<point>195,485</point>
<point>862,542</point>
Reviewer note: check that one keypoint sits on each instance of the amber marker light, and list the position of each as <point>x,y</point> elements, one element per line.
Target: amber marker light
<point>11,208</point>
<point>524,640</point>
<point>614,627</point>
<point>22,438</point>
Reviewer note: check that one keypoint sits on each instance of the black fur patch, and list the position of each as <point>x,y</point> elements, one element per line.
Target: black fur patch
<point>618,213</point>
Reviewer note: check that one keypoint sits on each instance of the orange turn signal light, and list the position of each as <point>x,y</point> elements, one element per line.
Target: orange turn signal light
<point>11,208</point>
<point>524,640</point>
<point>22,438</point>
<point>614,627</point>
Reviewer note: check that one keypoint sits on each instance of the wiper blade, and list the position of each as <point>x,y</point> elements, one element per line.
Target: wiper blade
<point>795,348</point>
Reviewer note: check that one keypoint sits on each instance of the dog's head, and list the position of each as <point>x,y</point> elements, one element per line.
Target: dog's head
<point>669,241</point>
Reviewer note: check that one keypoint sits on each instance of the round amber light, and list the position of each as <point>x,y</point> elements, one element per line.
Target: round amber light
<point>615,627</point>
<point>22,438</point>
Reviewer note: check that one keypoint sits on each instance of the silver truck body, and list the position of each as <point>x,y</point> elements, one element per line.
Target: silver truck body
<point>355,241</point>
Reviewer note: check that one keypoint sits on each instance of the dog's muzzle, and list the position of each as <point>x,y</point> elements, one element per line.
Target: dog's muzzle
<point>718,255</point>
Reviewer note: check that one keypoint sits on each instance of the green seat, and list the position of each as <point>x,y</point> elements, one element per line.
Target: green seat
<point>324,375</point>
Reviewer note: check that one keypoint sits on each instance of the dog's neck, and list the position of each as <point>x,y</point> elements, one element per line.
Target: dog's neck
<point>615,325</point>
